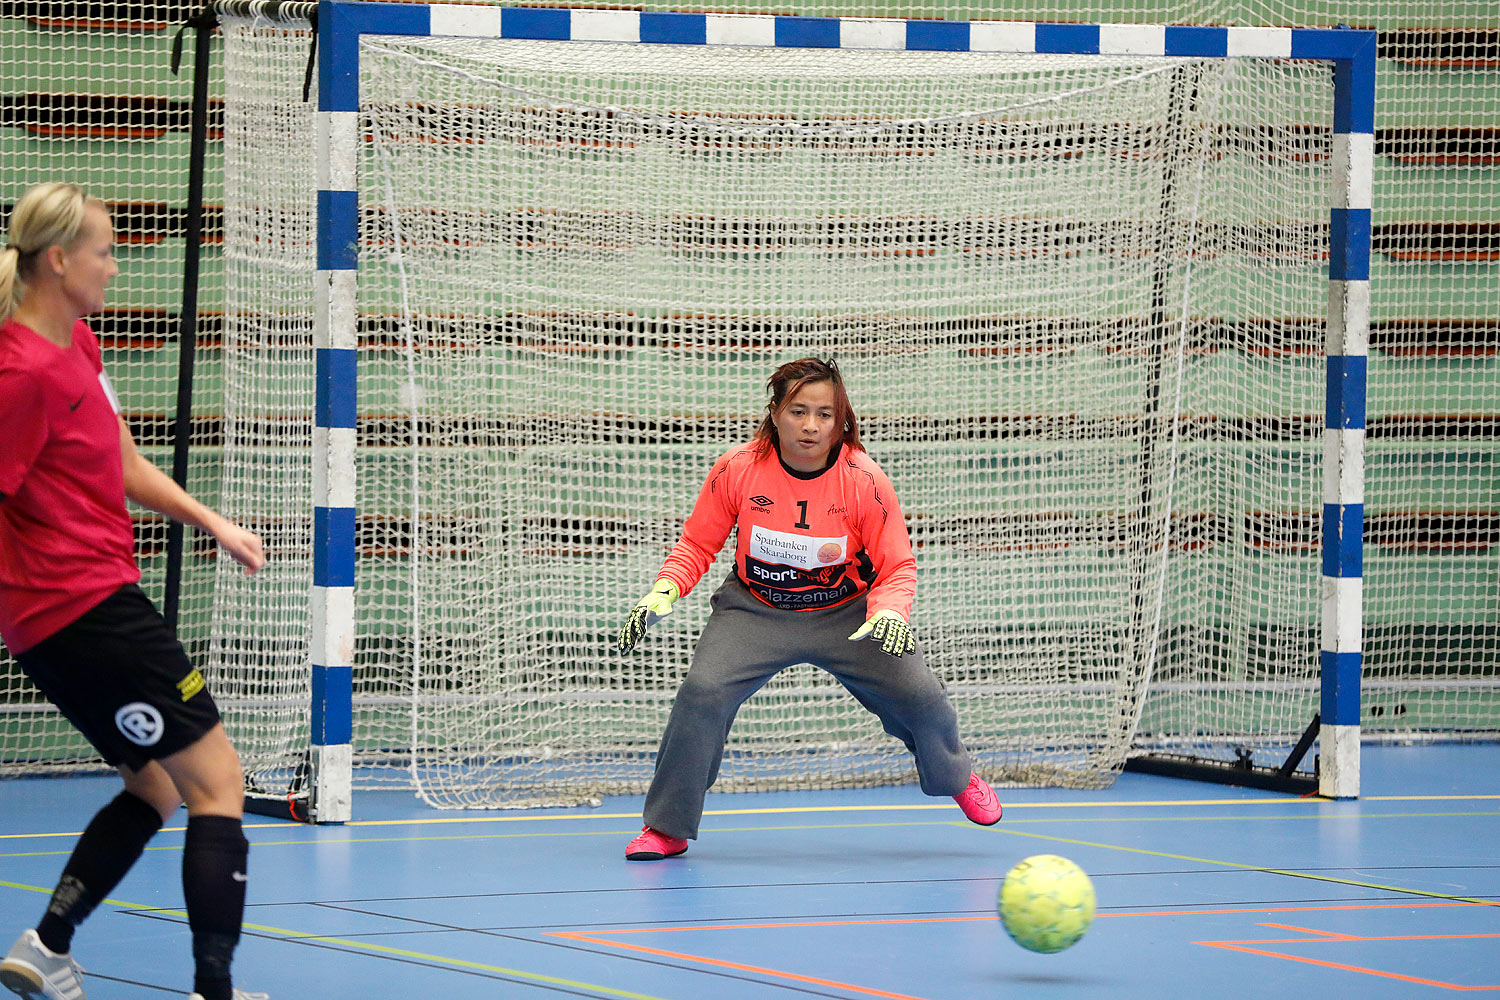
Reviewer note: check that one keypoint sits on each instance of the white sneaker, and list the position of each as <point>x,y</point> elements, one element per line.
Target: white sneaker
<point>238,995</point>
<point>35,973</point>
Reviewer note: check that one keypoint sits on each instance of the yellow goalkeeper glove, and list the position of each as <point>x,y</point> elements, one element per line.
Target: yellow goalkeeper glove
<point>888,628</point>
<point>647,612</point>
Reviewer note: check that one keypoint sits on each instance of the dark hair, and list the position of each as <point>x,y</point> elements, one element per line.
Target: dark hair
<point>786,381</point>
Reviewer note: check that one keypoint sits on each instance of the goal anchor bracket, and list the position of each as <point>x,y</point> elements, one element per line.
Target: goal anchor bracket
<point>1240,771</point>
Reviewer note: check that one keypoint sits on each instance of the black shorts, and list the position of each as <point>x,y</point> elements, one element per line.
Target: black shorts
<point>119,674</point>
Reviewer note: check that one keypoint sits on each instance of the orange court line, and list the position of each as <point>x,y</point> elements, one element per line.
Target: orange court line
<point>1324,935</point>
<point>722,963</point>
<point>1291,909</point>
<point>1229,946</point>
<point>602,937</point>
<point>987,916</point>
<point>804,923</point>
<point>1342,938</point>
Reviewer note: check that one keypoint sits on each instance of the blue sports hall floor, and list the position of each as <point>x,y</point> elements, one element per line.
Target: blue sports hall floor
<point>1203,891</point>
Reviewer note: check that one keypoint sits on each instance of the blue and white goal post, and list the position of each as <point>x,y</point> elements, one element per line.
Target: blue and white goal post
<point>340,26</point>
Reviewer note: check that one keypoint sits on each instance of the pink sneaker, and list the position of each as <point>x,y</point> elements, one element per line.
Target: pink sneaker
<point>978,802</point>
<point>653,845</point>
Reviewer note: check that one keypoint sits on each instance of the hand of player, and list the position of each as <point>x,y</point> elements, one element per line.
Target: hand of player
<point>647,612</point>
<point>243,546</point>
<point>888,628</point>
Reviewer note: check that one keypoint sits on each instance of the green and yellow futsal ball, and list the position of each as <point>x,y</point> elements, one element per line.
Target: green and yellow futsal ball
<point>1046,903</point>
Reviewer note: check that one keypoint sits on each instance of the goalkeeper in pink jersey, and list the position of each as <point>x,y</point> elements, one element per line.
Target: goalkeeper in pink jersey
<point>822,563</point>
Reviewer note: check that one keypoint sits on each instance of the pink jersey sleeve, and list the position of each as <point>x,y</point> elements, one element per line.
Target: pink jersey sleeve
<point>886,541</point>
<point>709,524</point>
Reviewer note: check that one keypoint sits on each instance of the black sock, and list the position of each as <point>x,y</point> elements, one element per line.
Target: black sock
<point>111,843</point>
<point>213,884</point>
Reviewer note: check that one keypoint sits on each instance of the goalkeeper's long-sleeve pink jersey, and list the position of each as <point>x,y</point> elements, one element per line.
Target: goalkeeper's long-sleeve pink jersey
<point>805,540</point>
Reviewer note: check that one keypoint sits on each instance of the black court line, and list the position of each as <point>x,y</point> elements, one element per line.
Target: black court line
<point>717,886</point>
<point>172,990</point>
<point>1311,872</point>
<point>499,929</point>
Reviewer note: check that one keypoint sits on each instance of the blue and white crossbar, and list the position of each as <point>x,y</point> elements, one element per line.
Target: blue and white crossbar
<point>340,26</point>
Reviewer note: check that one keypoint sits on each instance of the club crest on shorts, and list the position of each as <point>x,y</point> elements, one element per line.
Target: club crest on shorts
<point>140,723</point>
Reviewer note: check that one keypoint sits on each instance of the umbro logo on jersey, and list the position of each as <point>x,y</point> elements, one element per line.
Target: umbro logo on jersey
<point>761,501</point>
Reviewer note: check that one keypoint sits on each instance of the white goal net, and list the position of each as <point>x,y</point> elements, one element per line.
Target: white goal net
<point>1077,299</point>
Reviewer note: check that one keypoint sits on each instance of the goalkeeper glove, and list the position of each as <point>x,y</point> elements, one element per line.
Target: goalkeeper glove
<point>890,630</point>
<point>647,612</point>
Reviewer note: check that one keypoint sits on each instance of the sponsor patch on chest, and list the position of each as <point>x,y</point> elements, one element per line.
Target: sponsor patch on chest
<point>803,551</point>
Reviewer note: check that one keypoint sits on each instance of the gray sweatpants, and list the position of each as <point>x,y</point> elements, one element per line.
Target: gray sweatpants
<point>744,645</point>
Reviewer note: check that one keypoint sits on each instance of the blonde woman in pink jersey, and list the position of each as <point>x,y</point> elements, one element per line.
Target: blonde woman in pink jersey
<point>71,612</point>
<point>823,574</point>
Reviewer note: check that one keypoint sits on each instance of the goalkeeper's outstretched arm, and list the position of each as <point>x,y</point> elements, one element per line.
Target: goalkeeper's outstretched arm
<point>890,598</point>
<point>702,536</point>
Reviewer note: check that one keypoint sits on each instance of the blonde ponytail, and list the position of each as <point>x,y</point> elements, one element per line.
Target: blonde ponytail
<point>10,298</point>
<point>47,215</point>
